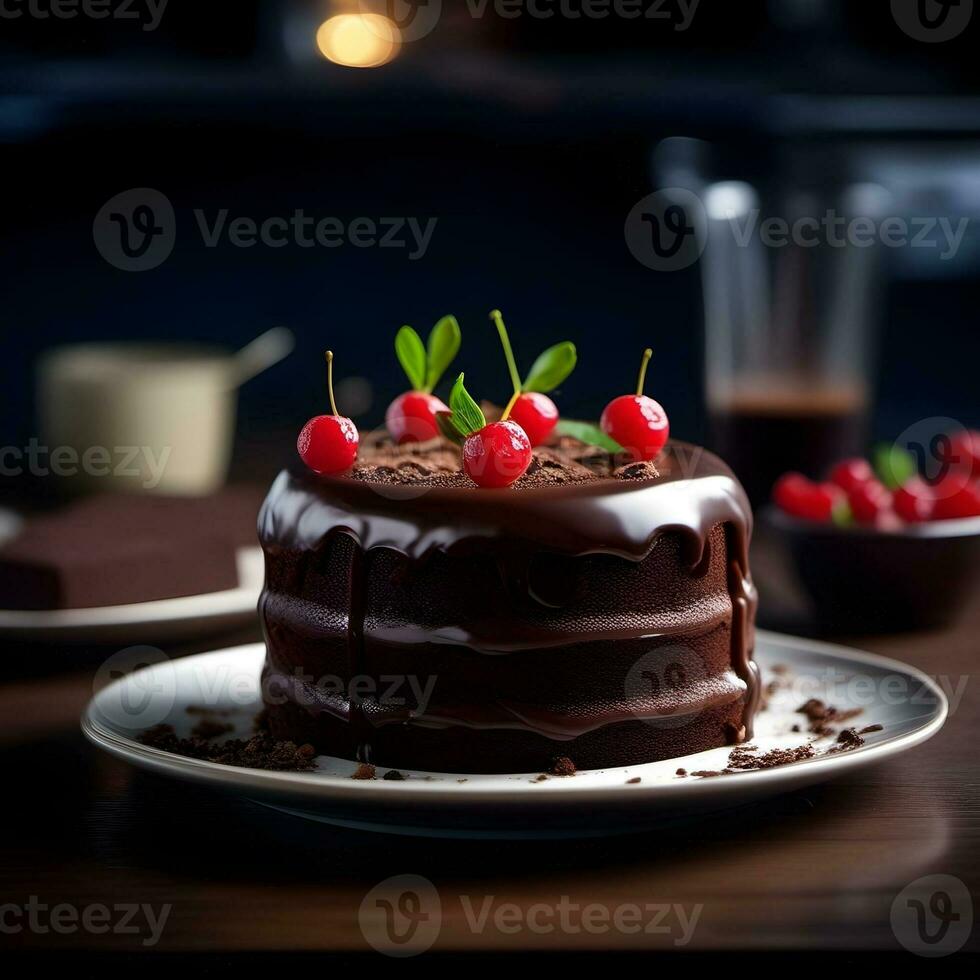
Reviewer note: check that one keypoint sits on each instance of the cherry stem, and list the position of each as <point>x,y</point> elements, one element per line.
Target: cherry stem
<point>333,404</point>
<point>647,354</point>
<point>511,363</point>
<point>510,406</point>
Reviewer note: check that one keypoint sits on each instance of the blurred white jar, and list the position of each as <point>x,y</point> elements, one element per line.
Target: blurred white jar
<point>153,418</point>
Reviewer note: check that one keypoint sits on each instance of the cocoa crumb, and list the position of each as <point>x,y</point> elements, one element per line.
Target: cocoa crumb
<point>820,715</point>
<point>742,759</point>
<point>871,728</point>
<point>633,781</point>
<point>261,751</point>
<point>364,771</point>
<point>394,775</point>
<point>642,470</point>
<point>847,739</point>
<point>795,728</point>
<point>542,777</point>
<point>563,766</point>
<point>681,772</point>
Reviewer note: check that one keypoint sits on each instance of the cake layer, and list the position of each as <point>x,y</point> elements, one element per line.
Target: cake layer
<point>608,619</point>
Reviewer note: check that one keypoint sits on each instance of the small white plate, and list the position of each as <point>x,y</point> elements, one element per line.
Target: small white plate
<point>161,619</point>
<point>905,702</point>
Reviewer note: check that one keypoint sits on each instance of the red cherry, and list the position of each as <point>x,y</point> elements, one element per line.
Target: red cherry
<point>851,473</point>
<point>497,455</point>
<point>536,414</point>
<point>637,423</point>
<point>965,502</point>
<point>411,417</point>
<point>788,489</point>
<point>328,443</point>
<point>914,501</point>
<point>869,501</point>
<point>799,497</point>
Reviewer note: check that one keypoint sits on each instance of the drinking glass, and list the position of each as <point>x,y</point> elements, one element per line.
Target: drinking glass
<point>790,297</point>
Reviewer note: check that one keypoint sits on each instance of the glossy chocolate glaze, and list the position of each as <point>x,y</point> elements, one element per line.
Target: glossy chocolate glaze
<point>694,502</point>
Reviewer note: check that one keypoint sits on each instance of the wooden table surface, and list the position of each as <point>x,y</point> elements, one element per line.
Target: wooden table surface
<point>818,869</point>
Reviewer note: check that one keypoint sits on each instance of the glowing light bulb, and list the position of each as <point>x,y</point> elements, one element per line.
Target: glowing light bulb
<point>358,40</point>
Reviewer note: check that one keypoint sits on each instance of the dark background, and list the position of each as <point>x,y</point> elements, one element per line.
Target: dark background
<point>529,140</point>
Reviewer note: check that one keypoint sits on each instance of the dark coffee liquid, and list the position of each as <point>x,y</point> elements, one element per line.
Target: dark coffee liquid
<point>763,435</point>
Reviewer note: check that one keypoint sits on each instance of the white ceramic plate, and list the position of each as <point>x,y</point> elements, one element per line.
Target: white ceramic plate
<point>904,701</point>
<point>162,619</point>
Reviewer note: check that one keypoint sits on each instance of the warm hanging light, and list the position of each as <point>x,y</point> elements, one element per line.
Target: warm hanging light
<point>358,40</point>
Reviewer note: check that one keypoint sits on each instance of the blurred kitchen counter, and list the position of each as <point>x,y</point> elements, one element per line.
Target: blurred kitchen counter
<point>817,869</point>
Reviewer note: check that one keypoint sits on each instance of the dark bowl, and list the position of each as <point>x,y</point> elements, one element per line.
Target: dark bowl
<point>863,580</point>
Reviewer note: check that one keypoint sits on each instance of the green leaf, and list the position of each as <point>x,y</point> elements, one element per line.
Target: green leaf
<point>411,355</point>
<point>893,465</point>
<point>588,433</point>
<point>444,341</point>
<point>551,368</point>
<point>445,422</point>
<point>466,414</point>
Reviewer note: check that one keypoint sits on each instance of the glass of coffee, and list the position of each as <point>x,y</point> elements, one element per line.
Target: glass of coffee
<point>789,303</point>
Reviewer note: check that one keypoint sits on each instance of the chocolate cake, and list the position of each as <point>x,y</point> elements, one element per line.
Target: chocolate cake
<point>594,611</point>
<point>114,549</point>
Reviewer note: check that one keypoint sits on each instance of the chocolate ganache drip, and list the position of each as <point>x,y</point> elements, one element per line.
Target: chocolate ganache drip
<point>404,566</point>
